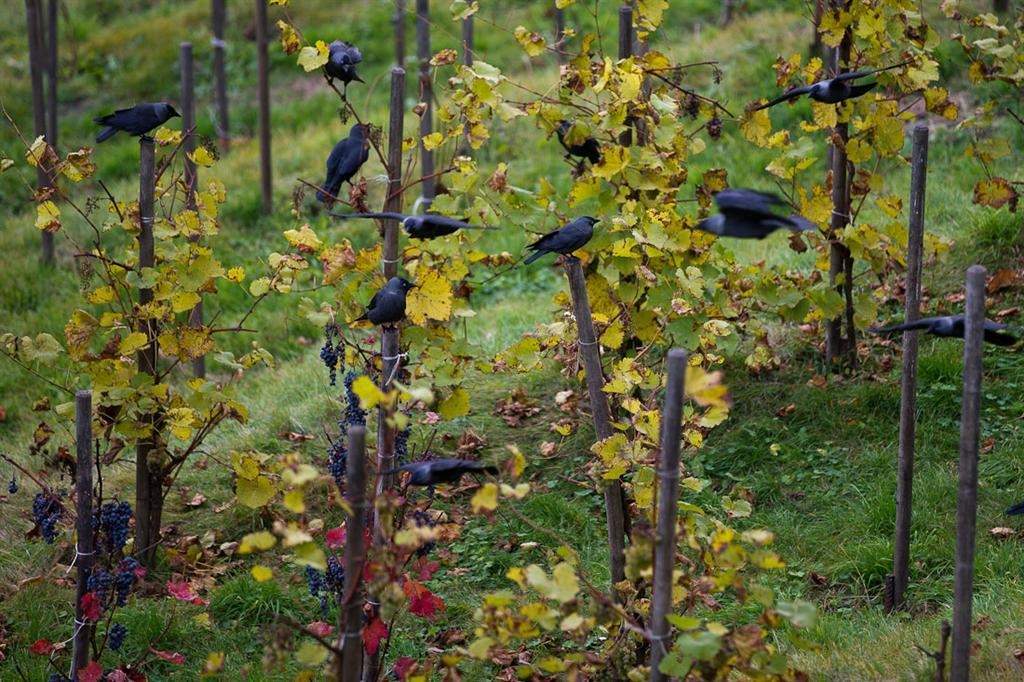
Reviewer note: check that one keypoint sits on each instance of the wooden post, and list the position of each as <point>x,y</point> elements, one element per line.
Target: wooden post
<point>399,25</point>
<point>727,11</point>
<point>668,497</point>
<point>351,606</point>
<point>266,183</point>
<point>967,489</point>
<point>467,40</point>
<point>35,66</point>
<point>220,84</point>
<point>52,26</point>
<point>188,123</point>
<point>148,480</point>
<point>908,382</point>
<point>625,52</point>
<point>83,526</point>
<point>427,187</point>
<point>559,35</point>
<point>1000,6</point>
<point>819,10</point>
<point>591,356</point>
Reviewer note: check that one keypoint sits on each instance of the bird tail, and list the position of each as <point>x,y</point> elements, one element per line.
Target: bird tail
<point>891,330</point>
<point>106,133</point>
<point>801,224</point>
<point>493,470</point>
<point>383,216</point>
<point>534,256</point>
<point>862,88</point>
<point>1016,509</point>
<point>498,274</point>
<point>327,193</point>
<point>1000,339</point>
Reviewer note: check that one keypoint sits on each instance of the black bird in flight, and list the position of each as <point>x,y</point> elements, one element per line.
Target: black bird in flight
<point>589,149</point>
<point>437,471</point>
<point>387,307</point>
<point>568,238</point>
<point>426,226</point>
<point>1016,509</point>
<point>952,327</point>
<point>341,63</point>
<point>749,214</point>
<point>345,160</point>
<point>833,90</point>
<point>137,120</point>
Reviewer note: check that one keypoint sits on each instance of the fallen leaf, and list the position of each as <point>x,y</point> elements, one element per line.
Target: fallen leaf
<point>1002,279</point>
<point>1002,532</point>
<point>786,411</point>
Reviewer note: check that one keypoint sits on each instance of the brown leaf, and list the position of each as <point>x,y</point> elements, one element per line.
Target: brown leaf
<point>515,408</point>
<point>470,443</point>
<point>988,444</point>
<point>1002,279</point>
<point>198,500</point>
<point>1008,312</point>
<point>797,243</point>
<point>547,448</point>
<point>818,381</point>
<point>1001,532</point>
<point>294,436</point>
<point>786,411</point>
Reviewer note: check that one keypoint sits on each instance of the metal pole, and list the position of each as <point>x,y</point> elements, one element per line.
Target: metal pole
<point>220,85</point>
<point>668,497</point>
<point>967,489</point>
<point>266,182</point>
<point>83,526</point>
<point>427,98</point>
<point>350,637</point>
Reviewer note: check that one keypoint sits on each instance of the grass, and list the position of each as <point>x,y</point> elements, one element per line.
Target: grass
<point>821,477</point>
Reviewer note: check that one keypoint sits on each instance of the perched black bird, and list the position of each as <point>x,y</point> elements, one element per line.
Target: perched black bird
<point>1016,509</point>
<point>833,90</point>
<point>138,120</point>
<point>589,149</point>
<point>427,226</point>
<point>345,160</point>
<point>953,327</point>
<point>341,63</point>
<point>568,238</point>
<point>443,471</point>
<point>749,214</point>
<point>388,305</point>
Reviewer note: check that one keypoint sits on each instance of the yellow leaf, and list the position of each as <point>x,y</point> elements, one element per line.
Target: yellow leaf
<point>311,654</point>
<point>257,542</point>
<point>304,239</point>
<point>260,286</point>
<point>295,501</point>
<point>261,574</point>
<point>165,137</point>
<point>706,388</point>
<point>369,394</point>
<point>455,405</point>
<point>562,586</point>
<point>613,160</point>
<point>995,193</point>
<point>133,342</point>
<point>309,554</point>
<point>432,141</point>
<point>290,42</point>
<point>858,151</point>
<point>47,216</point>
<point>312,57</point>
<point>183,301</point>
<point>532,42</point>
<point>431,299</point>
<point>485,499</point>
<point>202,157</point>
<point>255,493</point>
<point>236,274</point>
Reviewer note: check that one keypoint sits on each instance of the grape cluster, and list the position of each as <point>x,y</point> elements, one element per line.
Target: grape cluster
<point>335,575</point>
<point>114,519</point>
<point>354,414</point>
<point>315,582</point>
<point>423,520</point>
<point>100,582</point>
<point>402,445</point>
<point>330,352</point>
<point>337,460</point>
<point>125,578</point>
<point>56,677</point>
<point>115,638</point>
<point>46,512</point>
<point>12,487</point>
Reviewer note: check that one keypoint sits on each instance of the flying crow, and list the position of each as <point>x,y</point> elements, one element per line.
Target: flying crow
<point>387,306</point>
<point>138,120</point>
<point>565,240</point>
<point>748,214</point>
<point>953,327</point>
<point>589,149</point>
<point>833,90</point>
<point>427,226</point>
<point>341,62</point>
<point>443,471</point>
<point>345,160</point>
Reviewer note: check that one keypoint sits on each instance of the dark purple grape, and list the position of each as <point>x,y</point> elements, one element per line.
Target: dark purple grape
<point>335,578</point>
<point>114,520</point>
<point>100,582</point>
<point>330,352</point>
<point>115,638</point>
<point>46,511</point>
<point>124,579</point>
<point>354,414</point>
<point>12,487</point>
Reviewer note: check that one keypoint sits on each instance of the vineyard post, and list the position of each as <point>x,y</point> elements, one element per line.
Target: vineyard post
<point>35,61</point>
<point>625,52</point>
<point>591,355</point>
<point>559,34</point>
<point>467,41</point>
<point>819,10</point>
<point>967,488</point>
<point>427,187</point>
<point>351,627</point>
<point>668,497</point>
<point>727,11</point>
<point>399,24</point>
<point>148,482</point>
<point>220,85</point>
<point>1000,6</point>
<point>266,185</point>
<point>188,124</point>
<point>52,26</point>
<point>908,382</point>
<point>83,526</point>
<point>840,272</point>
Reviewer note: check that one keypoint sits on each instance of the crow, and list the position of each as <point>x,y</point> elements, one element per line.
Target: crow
<point>568,238</point>
<point>341,62</point>
<point>427,226</point>
<point>387,306</point>
<point>749,214</point>
<point>589,149</point>
<point>138,120</point>
<point>345,160</point>
<point>952,327</point>
<point>442,471</point>
<point>1016,509</point>
<point>833,90</point>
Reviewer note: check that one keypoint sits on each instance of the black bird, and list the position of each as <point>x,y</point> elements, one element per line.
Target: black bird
<point>345,160</point>
<point>1016,509</point>
<point>443,471</point>
<point>387,306</point>
<point>833,90</point>
<point>749,214</point>
<point>341,63</point>
<point>138,120</point>
<point>568,238</point>
<point>952,327</point>
<point>427,226</point>
<point>589,149</point>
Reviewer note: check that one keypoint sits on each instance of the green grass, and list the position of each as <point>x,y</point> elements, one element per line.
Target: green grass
<point>826,489</point>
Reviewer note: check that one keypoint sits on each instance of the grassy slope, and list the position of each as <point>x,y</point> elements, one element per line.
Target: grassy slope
<point>826,490</point>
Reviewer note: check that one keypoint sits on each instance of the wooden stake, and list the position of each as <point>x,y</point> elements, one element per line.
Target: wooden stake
<point>559,35</point>
<point>591,356</point>
<point>52,26</point>
<point>266,182</point>
<point>819,10</point>
<point>148,480</point>
<point>727,11</point>
<point>967,490</point>
<point>668,497</point>
<point>399,25</point>
<point>220,84</point>
<point>423,55</point>
<point>908,382</point>
<point>625,52</point>
<point>351,628</point>
<point>83,526</point>
<point>35,65</point>
<point>188,123</point>
<point>1000,6</point>
<point>467,40</point>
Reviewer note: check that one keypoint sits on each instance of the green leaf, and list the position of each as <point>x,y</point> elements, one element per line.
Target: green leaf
<point>802,614</point>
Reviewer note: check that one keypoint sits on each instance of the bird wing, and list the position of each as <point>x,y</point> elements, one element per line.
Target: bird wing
<point>923,323</point>
<point>996,333</point>
<point>379,216</point>
<point>114,118</point>
<point>788,95</point>
<point>352,154</point>
<point>852,75</point>
<point>1015,509</point>
<point>798,223</point>
<point>545,240</point>
<point>737,199</point>
<point>354,54</point>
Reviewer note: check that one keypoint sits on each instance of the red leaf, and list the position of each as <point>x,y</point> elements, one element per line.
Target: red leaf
<point>42,647</point>
<point>320,628</point>
<point>91,607</point>
<point>90,673</point>
<point>373,633</point>
<point>422,602</point>
<point>118,676</point>
<point>426,568</point>
<point>183,591</point>
<point>336,537</point>
<point>169,656</point>
<point>403,666</point>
